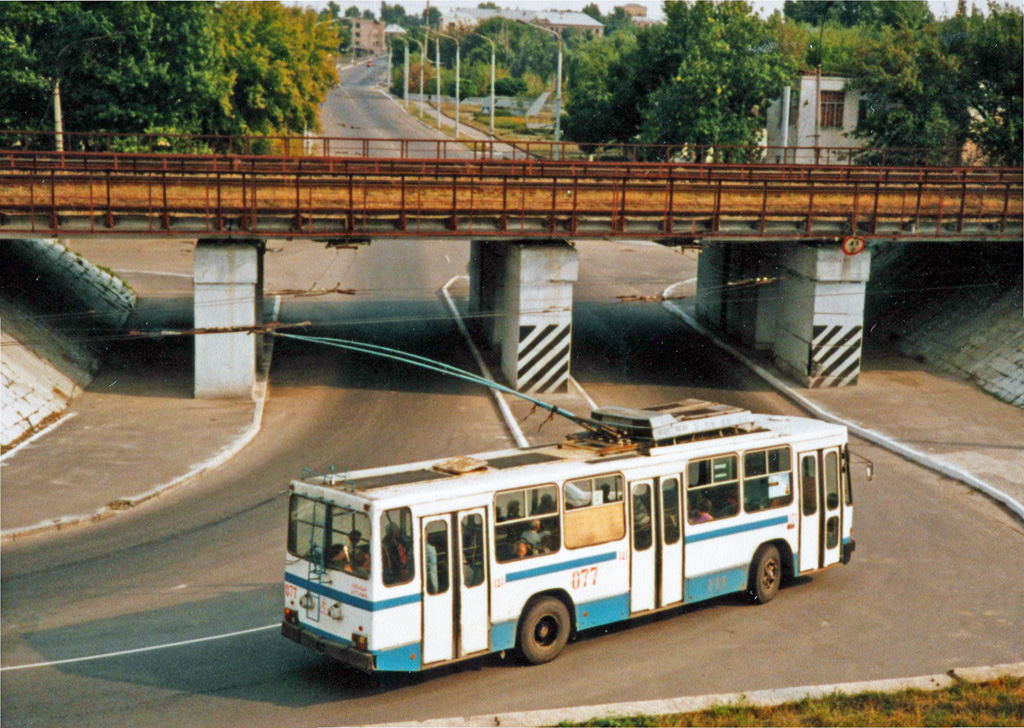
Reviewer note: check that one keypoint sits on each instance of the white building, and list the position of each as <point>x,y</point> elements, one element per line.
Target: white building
<point>468,18</point>
<point>799,140</point>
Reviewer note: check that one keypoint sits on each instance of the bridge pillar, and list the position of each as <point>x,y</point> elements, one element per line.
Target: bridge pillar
<point>228,280</point>
<point>802,302</point>
<point>820,318</point>
<point>521,298</point>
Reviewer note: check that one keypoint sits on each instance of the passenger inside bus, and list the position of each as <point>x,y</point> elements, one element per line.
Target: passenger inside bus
<point>351,557</point>
<point>395,555</point>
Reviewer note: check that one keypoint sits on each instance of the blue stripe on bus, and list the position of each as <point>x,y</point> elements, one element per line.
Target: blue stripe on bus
<point>357,602</point>
<point>562,566</point>
<point>737,529</point>
<point>717,583</point>
<point>602,611</point>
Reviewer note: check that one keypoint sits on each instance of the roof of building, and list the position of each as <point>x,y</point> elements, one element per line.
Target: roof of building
<point>394,30</point>
<point>551,17</point>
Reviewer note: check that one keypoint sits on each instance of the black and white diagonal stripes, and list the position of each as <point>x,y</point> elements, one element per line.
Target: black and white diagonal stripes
<point>542,361</point>
<point>835,356</point>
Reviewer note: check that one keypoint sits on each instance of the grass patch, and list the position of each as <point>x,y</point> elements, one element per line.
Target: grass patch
<point>996,703</point>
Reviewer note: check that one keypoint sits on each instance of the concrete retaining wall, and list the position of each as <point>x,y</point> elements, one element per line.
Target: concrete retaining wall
<point>52,304</point>
<point>957,308</point>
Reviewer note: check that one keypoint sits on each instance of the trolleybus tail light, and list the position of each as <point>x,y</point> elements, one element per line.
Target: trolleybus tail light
<point>291,616</point>
<point>359,640</point>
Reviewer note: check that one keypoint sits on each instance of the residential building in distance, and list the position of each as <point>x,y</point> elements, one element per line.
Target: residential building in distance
<point>558,20</point>
<point>795,139</point>
<point>367,37</point>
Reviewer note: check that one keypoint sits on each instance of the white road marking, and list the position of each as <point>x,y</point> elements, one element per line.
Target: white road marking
<point>506,413</point>
<point>39,434</point>
<point>138,650</point>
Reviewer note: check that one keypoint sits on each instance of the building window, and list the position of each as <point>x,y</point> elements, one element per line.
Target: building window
<point>832,109</point>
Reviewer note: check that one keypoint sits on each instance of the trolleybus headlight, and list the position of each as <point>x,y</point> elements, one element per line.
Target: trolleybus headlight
<point>359,640</point>
<point>291,616</point>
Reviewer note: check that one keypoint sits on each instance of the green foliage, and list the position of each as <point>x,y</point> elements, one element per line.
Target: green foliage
<point>121,66</point>
<point>169,67</point>
<point>281,64</point>
<point>705,77</point>
<point>993,50</point>
<point>913,14</point>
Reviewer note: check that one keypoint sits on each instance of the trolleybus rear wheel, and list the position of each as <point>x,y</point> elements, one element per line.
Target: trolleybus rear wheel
<point>766,574</point>
<point>543,630</point>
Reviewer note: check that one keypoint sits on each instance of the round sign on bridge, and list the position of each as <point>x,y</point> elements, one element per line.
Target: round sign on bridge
<point>853,245</point>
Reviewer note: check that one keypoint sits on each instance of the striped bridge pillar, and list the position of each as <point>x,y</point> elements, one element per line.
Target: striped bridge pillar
<point>532,310</point>
<point>820,315</point>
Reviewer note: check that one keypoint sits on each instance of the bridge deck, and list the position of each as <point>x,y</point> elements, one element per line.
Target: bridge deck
<point>314,197</point>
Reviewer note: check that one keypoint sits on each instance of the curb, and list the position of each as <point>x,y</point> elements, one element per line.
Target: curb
<point>129,502</point>
<point>757,698</point>
<point>949,471</point>
<point>506,413</point>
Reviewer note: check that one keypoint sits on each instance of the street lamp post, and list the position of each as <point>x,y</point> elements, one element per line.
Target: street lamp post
<point>558,93</point>
<point>493,54</point>
<point>458,72</point>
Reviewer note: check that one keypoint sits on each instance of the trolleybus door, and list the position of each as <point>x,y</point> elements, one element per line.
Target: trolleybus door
<point>670,541</point>
<point>810,525</point>
<point>438,601</point>
<point>831,531</point>
<point>642,562</point>
<point>472,605</point>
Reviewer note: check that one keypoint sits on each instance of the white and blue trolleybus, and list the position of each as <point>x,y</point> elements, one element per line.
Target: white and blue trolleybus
<point>408,567</point>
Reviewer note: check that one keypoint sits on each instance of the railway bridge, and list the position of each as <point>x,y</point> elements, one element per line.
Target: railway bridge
<point>799,231</point>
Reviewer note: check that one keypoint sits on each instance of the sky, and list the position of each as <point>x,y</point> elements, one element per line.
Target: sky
<point>941,8</point>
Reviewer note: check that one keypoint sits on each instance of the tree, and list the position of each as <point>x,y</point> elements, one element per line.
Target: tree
<point>849,13</point>
<point>916,91</point>
<point>281,63</point>
<point>353,12</point>
<point>488,6</point>
<point>431,17</point>
<point>593,11</point>
<point>727,66</point>
<point>993,50</point>
<point>121,66</point>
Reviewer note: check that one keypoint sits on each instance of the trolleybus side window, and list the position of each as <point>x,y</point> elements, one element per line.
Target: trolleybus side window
<point>435,557</point>
<point>767,479</point>
<point>642,525</point>
<point>713,489</point>
<point>396,547</point>
<point>594,511</point>
<point>306,521</point>
<point>670,509</point>
<point>528,523</point>
<point>832,480</point>
<point>347,547</point>
<point>809,484</point>
<point>472,528</point>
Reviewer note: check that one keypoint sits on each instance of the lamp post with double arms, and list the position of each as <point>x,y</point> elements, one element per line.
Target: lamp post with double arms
<point>458,72</point>
<point>558,93</point>
<point>493,54</point>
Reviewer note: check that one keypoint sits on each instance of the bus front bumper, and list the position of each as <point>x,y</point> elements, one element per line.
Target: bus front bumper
<point>346,655</point>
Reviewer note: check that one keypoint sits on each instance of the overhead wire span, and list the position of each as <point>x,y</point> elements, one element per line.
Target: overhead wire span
<point>437,366</point>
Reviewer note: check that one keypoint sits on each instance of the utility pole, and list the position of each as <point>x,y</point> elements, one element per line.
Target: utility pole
<point>493,54</point>
<point>458,72</point>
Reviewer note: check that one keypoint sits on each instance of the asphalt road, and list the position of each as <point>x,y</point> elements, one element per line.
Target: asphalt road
<point>935,582</point>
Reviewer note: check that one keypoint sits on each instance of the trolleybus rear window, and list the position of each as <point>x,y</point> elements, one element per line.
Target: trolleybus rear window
<point>331,536</point>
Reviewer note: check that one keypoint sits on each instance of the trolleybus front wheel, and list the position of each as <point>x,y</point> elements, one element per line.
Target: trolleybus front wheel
<point>765,574</point>
<point>543,630</point>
